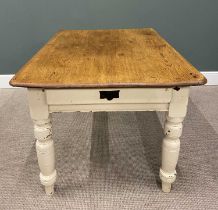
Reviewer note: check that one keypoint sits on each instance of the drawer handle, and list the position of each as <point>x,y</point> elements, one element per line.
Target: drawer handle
<point>109,95</point>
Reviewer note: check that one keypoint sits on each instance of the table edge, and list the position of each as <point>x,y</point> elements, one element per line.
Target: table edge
<point>108,85</point>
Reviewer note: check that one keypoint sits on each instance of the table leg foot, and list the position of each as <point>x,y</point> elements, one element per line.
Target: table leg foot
<point>166,187</point>
<point>49,190</point>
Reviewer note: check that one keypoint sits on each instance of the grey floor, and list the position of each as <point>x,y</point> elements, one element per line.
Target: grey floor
<point>109,160</point>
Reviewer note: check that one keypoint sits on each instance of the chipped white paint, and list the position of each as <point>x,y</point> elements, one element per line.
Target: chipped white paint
<point>42,103</point>
<point>171,142</point>
<point>44,143</point>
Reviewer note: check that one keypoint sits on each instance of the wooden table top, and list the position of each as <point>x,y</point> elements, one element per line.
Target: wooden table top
<point>107,58</point>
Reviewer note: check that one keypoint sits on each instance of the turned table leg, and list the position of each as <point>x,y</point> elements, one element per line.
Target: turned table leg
<point>170,151</point>
<point>171,142</point>
<point>43,134</point>
<point>45,154</point>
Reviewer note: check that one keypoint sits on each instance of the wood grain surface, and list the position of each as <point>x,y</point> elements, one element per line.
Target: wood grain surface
<point>107,58</point>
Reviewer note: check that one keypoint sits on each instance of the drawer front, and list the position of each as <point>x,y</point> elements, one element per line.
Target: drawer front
<point>108,96</point>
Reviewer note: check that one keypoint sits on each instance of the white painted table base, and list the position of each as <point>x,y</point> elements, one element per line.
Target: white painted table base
<point>43,102</point>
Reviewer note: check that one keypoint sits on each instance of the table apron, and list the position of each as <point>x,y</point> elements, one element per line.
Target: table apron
<point>108,107</point>
<point>92,96</point>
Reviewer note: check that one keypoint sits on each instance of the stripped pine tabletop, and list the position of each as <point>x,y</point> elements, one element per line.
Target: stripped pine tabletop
<point>107,58</point>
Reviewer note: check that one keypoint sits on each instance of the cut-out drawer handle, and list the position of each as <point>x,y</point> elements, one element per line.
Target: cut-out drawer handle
<point>109,95</point>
